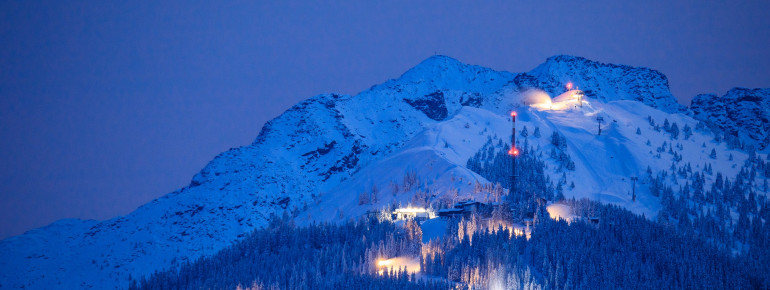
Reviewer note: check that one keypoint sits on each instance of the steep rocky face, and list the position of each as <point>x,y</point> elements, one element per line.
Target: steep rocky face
<point>606,82</point>
<point>741,112</point>
<point>433,105</point>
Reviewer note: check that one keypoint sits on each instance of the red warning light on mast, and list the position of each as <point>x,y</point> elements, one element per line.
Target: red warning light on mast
<point>569,86</point>
<point>513,152</point>
<point>513,113</point>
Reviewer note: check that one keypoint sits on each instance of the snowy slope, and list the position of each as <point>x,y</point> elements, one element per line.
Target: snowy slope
<point>316,159</point>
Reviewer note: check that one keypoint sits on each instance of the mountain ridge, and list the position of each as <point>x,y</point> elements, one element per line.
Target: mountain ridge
<point>323,151</point>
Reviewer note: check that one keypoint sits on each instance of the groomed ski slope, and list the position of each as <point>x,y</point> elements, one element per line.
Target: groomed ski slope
<point>603,163</point>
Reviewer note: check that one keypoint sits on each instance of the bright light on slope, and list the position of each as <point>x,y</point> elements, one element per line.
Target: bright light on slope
<point>537,99</point>
<point>559,211</point>
<point>412,264</point>
<point>540,100</point>
<point>411,210</point>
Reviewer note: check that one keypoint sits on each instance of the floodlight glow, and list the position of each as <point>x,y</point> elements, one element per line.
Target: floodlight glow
<point>566,101</point>
<point>412,265</point>
<point>411,210</point>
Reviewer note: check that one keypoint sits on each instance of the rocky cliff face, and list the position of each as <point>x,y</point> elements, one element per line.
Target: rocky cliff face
<point>607,82</point>
<point>741,112</point>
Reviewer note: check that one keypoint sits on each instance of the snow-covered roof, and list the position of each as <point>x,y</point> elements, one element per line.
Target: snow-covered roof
<point>450,210</point>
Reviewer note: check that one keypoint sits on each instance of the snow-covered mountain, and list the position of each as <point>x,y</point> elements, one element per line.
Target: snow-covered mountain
<point>742,112</point>
<point>607,82</point>
<point>412,135</point>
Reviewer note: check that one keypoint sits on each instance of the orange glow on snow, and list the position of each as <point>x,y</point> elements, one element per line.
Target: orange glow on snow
<point>537,99</point>
<point>558,211</point>
<point>412,265</point>
<point>543,102</point>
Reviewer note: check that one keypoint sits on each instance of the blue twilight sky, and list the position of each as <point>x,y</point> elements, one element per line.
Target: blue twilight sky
<point>105,105</point>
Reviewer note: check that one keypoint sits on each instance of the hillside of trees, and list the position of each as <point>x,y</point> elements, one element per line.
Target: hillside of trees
<point>714,236</point>
<point>623,251</point>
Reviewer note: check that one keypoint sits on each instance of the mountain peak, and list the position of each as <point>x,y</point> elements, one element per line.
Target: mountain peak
<point>607,82</point>
<point>582,62</point>
<point>439,60</point>
<point>567,58</point>
<point>443,73</point>
<point>434,66</point>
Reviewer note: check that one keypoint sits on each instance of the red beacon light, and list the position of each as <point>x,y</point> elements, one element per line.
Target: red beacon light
<point>513,113</point>
<point>513,152</point>
<point>569,86</point>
